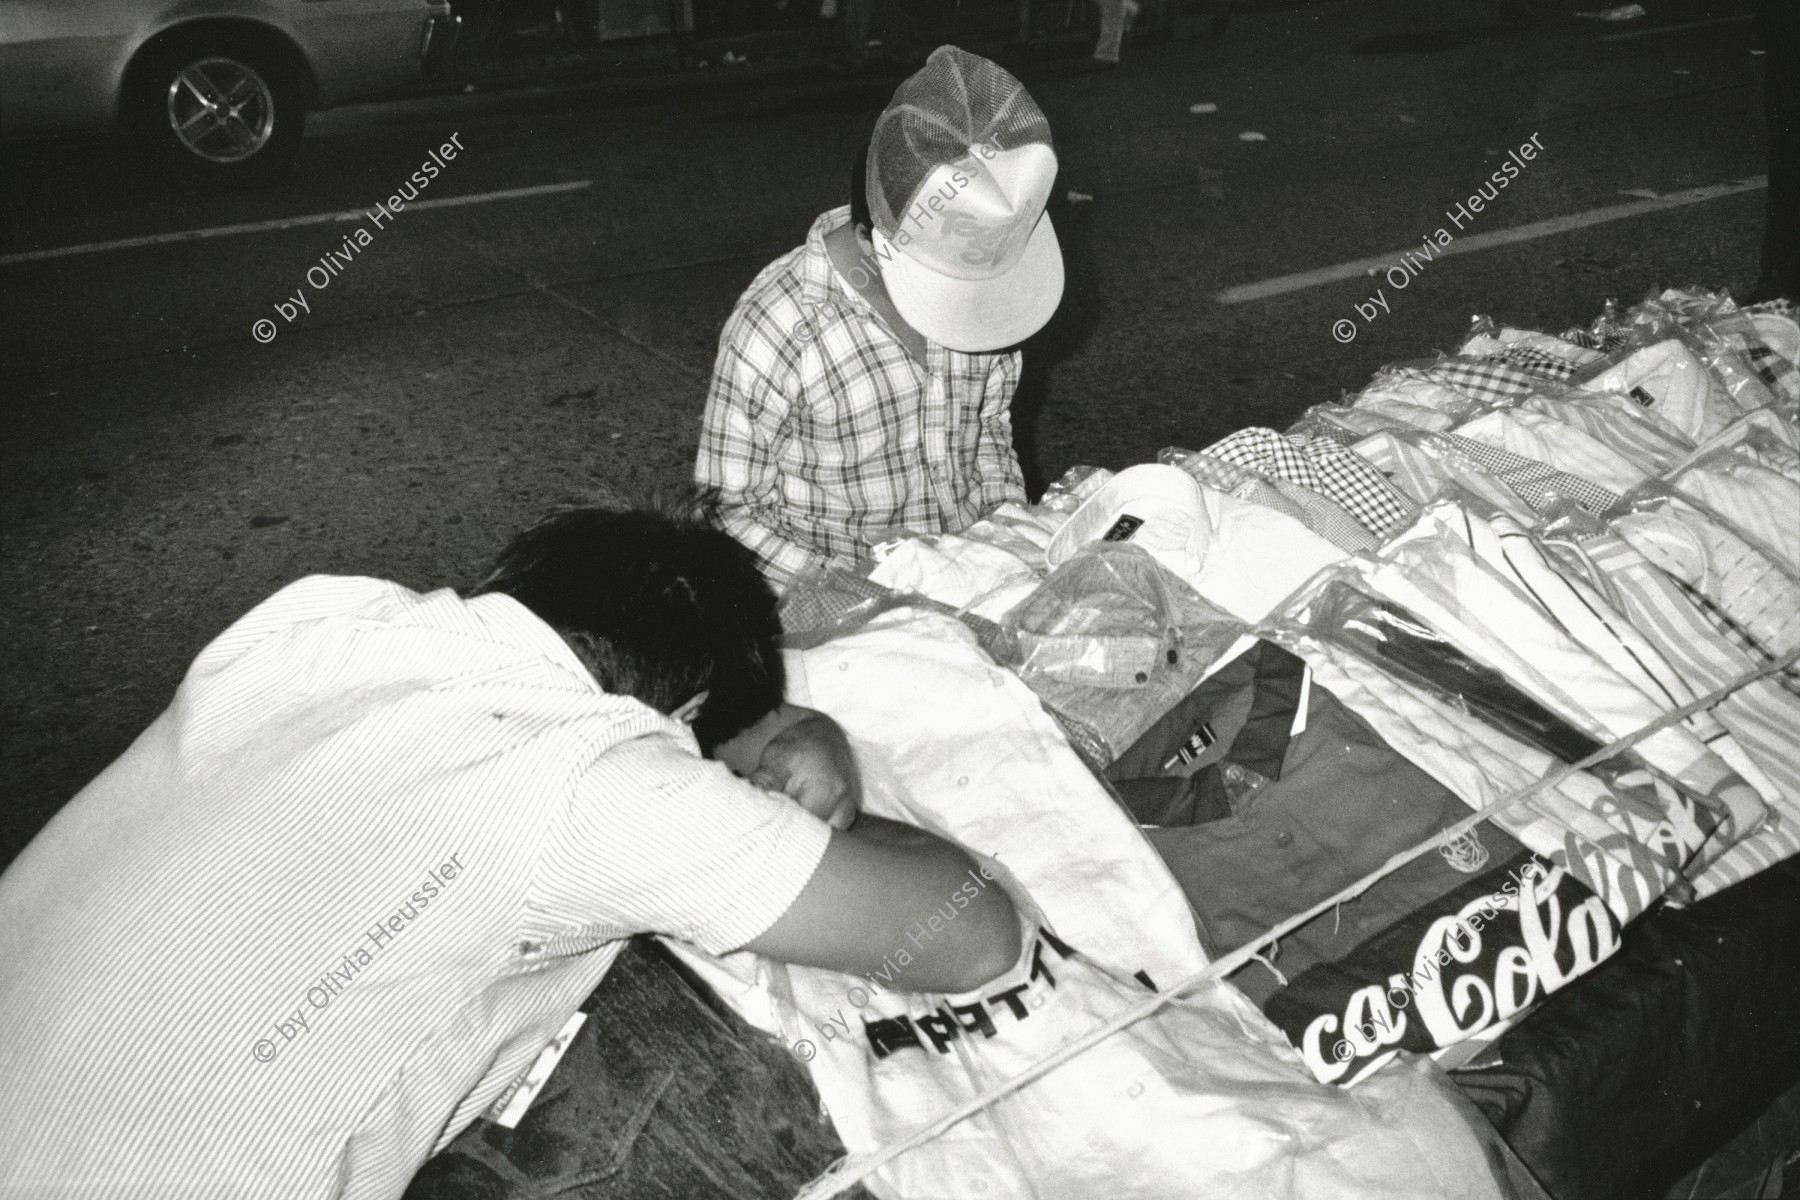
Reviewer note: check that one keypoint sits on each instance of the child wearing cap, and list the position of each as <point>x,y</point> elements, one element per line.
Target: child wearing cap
<point>864,380</point>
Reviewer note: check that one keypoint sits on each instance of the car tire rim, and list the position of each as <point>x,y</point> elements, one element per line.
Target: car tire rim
<point>221,109</point>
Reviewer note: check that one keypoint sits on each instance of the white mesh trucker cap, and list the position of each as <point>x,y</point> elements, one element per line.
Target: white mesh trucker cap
<point>960,168</point>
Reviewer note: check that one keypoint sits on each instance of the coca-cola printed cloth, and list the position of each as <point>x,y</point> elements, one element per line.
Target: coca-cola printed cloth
<point>1449,946</point>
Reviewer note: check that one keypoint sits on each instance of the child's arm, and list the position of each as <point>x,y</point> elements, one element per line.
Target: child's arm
<point>998,462</point>
<point>736,463</point>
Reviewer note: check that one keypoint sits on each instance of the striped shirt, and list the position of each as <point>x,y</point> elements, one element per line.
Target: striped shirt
<point>822,434</point>
<point>1762,716</point>
<point>342,892</point>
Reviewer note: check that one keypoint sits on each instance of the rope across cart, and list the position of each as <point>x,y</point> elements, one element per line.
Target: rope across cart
<point>846,1173</point>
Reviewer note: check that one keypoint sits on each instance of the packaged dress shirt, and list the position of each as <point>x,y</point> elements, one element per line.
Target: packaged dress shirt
<point>1112,639</point>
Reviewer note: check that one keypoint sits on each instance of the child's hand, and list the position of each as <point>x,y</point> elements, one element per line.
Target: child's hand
<point>811,761</point>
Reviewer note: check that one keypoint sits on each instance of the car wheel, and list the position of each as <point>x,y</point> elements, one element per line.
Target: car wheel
<point>221,112</point>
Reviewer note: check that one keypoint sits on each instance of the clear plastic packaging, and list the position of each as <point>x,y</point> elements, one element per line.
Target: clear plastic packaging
<point>826,603</point>
<point>1067,492</point>
<point>1112,640</point>
<point>1718,334</point>
<point>1723,343</point>
<point>1403,645</point>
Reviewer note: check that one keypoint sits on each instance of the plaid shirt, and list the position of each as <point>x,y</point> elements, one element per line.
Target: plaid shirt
<point>1323,466</point>
<point>822,433</point>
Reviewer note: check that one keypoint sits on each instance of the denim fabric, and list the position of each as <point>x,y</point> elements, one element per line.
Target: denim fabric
<point>663,1095</point>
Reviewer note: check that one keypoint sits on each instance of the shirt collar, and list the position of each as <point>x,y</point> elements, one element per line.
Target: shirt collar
<point>820,281</point>
<point>528,631</point>
<point>523,628</point>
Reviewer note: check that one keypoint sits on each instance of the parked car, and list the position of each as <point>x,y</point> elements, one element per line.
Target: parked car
<point>219,88</point>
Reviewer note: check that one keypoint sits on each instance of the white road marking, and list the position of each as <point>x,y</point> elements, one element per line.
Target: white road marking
<point>1654,30</point>
<point>353,214</point>
<point>1483,241</point>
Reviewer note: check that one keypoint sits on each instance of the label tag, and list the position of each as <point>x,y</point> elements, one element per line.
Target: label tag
<point>1196,745</point>
<point>1122,529</point>
<point>509,1109</point>
<point>1299,725</point>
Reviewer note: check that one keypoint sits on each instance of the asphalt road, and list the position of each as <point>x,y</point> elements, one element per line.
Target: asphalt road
<point>162,470</point>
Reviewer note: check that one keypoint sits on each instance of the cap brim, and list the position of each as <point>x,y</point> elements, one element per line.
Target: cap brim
<point>979,315</point>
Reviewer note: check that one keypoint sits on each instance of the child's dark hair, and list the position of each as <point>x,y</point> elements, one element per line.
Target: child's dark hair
<point>859,191</point>
<point>657,606</point>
